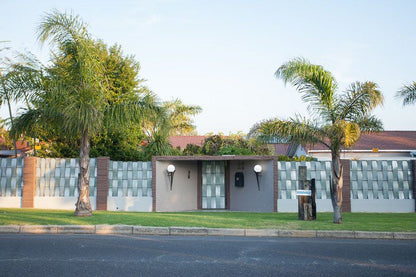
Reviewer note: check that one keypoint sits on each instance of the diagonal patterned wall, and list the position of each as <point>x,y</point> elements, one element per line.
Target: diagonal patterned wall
<point>381,180</point>
<point>58,177</point>
<point>288,178</point>
<point>130,179</point>
<point>11,173</point>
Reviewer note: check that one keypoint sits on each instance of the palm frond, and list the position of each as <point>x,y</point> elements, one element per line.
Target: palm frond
<point>351,133</point>
<point>358,100</point>
<point>61,28</point>
<point>408,94</point>
<point>369,123</point>
<point>295,129</point>
<point>181,116</point>
<point>317,85</point>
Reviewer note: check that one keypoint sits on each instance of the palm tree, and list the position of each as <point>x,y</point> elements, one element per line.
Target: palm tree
<point>337,119</point>
<point>180,117</point>
<point>73,99</point>
<point>6,91</point>
<point>408,93</point>
<point>17,79</point>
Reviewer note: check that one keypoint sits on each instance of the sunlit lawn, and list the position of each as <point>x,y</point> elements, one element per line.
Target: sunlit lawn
<point>405,222</point>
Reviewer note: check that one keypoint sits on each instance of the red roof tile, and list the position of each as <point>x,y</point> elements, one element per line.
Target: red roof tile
<point>386,140</point>
<point>183,141</point>
<point>281,148</point>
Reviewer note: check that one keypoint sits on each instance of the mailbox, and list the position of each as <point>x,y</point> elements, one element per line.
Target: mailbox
<point>239,179</point>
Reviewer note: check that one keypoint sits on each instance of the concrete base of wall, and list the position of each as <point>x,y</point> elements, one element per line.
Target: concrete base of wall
<point>291,205</point>
<point>61,203</point>
<point>131,204</point>
<point>10,202</point>
<point>383,205</point>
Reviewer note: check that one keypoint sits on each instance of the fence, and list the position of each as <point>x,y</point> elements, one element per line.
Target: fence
<point>374,186</point>
<point>369,186</point>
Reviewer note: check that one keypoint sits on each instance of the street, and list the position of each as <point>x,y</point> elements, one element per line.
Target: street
<point>95,255</point>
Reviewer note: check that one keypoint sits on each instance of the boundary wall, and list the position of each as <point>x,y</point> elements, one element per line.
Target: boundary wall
<point>369,185</point>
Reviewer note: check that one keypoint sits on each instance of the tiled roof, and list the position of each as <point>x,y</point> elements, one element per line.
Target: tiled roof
<point>386,140</point>
<point>20,144</point>
<point>281,148</point>
<point>183,141</point>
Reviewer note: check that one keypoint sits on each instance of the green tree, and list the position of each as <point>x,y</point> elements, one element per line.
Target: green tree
<point>17,80</point>
<point>75,93</point>
<point>234,144</point>
<point>181,117</point>
<point>408,94</point>
<point>337,119</point>
<point>122,78</point>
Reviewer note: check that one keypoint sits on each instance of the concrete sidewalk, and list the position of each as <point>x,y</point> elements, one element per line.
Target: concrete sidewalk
<point>198,231</point>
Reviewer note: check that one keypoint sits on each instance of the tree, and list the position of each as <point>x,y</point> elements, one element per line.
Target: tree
<point>17,80</point>
<point>180,117</point>
<point>234,144</point>
<point>74,99</point>
<point>120,142</point>
<point>337,119</point>
<point>408,93</point>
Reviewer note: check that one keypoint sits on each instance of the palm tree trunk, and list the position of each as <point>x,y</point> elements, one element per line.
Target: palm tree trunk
<point>10,112</point>
<point>83,205</point>
<point>336,185</point>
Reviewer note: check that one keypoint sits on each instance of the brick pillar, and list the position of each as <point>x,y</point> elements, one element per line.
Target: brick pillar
<point>414,181</point>
<point>102,182</point>
<point>275,184</point>
<point>29,182</point>
<point>346,189</point>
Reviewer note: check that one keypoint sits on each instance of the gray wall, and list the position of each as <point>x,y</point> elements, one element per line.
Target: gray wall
<point>11,172</point>
<point>382,186</point>
<point>376,185</point>
<point>183,196</point>
<point>248,198</point>
<point>11,183</point>
<point>130,186</point>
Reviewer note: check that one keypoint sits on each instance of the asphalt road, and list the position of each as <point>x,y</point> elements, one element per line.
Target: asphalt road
<point>95,255</point>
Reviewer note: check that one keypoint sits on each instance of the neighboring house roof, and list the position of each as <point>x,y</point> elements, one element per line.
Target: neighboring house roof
<point>21,145</point>
<point>183,141</point>
<point>281,148</point>
<point>386,140</point>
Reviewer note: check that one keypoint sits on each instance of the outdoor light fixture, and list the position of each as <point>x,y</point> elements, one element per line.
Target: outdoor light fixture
<point>171,170</point>
<point>257,170</point>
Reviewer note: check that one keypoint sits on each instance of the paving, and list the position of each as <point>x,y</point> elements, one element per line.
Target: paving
<point>199,231</point>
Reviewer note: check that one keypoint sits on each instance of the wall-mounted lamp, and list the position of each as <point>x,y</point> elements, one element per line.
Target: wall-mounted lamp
<point>258,169</point>
<point>171,170</point>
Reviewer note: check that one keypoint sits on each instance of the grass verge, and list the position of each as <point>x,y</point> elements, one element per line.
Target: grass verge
<point>388,222</point>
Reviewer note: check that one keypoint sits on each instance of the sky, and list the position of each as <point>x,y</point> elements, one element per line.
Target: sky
<point>222,55</point>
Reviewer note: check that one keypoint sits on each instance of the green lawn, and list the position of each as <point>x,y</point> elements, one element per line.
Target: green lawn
<point>403,222</point>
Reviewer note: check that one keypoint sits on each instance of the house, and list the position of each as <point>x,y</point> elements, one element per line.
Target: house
<point>21,145</point>
<point>386,145</point>
<point>235,183</point>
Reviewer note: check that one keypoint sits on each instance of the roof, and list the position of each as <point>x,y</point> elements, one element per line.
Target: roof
<point>386,140</point>
<point>183,141</point>
<point>281,148</point>
<point>21,145</point>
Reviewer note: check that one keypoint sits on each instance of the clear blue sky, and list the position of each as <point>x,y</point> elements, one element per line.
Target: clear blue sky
<point>222,55</point>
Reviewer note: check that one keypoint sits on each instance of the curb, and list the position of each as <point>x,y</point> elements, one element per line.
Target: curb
<point>199,231</point>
